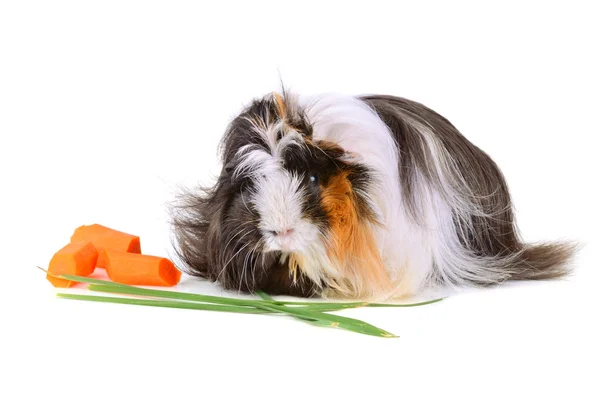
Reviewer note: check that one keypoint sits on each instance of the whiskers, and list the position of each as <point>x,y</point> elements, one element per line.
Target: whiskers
<point>250,261</point>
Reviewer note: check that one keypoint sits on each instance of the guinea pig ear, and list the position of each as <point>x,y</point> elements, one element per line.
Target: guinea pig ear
<point>228,168</point>
<point>351,157</point>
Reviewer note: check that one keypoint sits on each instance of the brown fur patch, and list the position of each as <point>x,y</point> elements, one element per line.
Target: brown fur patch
<point>331,146</point>
<point>352,245</point>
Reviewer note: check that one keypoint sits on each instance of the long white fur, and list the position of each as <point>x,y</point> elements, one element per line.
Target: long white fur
<point>451,199</point>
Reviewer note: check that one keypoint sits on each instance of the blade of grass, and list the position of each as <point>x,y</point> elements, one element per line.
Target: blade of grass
<point>80,279</point>
<point>311,321</point>
<point>357,303</point>
<point>327,320</point>
<point>165,303</point>
<point>333,307</point>
<point>325,307</point>
<point>404,304</point>
<point>268,297</point>
<point>322,308</point>
<point>265,296</point>
<point>185,296</point>
<point>333,321</point>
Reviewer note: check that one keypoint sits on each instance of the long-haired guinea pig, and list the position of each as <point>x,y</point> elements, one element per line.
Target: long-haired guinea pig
<point>369,197</point>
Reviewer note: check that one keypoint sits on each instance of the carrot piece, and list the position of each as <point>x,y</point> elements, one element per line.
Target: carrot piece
<point>77,259</point>
<point>138,269</point>
<point>106,238</point>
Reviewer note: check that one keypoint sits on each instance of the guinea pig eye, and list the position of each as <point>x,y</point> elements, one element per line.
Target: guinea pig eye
<point>279,135</point>
<point>313,179</point>
<point>228,168</point>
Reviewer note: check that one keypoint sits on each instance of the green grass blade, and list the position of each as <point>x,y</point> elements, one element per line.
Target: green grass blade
<point>353,303</point>
<point>316,306</point>
<point>429,302</point>
<point>331,320</point>
<point>320,308</point>
<point>81,279</point>
<point>331,307</point>
<point>264,296</point>
<point>356,303</point>
<point>185,296</point>
<point>165,303</point>
<point>350,327</point>
<point>326,322</point>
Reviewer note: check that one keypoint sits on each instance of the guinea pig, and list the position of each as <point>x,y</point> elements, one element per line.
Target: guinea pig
<point>370,197</point>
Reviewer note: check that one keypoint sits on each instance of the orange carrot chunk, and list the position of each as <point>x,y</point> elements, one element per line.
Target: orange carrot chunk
<point>106,238</point>
<point>138,269</point>
<point>77,259</point>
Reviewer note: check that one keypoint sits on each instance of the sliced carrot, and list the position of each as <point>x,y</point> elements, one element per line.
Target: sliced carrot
<point>106,238</point>
<point>77,259</point>
<point>138,269</point>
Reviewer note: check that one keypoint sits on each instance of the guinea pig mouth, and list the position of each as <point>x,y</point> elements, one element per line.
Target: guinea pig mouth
<point>285,244</point>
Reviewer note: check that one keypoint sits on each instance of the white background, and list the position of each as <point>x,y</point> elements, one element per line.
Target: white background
<point>107,107</point>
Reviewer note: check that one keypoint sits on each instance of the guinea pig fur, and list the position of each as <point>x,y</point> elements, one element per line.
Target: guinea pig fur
<point>370,197</point>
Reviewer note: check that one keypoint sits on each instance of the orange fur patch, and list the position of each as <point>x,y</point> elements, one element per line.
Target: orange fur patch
<point>352,245</point>
<point>281,106</point>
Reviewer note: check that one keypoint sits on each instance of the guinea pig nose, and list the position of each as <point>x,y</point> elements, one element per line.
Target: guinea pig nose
<point>283,232</point>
